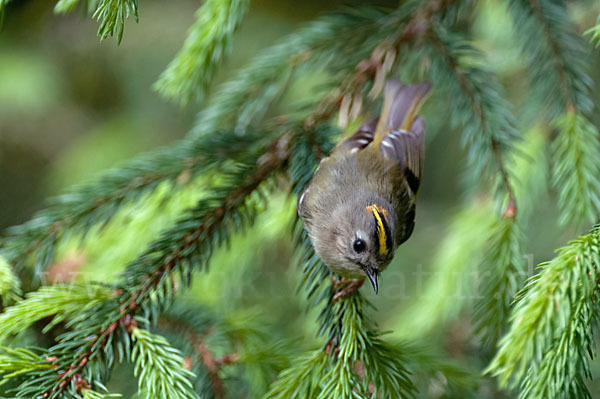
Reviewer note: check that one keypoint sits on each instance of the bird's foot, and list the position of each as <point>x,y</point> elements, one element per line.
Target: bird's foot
<point>351,286</point>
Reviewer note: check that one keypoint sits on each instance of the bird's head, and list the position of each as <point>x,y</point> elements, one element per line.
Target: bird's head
<point>364,242</point>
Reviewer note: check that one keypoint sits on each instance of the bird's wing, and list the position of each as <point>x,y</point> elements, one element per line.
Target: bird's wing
<point>359,139</point>
<point>407,149</point>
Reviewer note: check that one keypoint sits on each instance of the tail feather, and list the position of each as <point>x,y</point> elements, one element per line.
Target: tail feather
<point>400,106</point>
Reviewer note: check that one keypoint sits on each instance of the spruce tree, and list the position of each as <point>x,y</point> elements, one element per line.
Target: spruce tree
<point>534,334</point>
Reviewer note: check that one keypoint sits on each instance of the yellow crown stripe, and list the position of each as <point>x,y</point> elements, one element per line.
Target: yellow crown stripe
<point>379,213</point>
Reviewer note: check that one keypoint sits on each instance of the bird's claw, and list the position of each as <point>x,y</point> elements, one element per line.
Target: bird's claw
<point>351,286</point>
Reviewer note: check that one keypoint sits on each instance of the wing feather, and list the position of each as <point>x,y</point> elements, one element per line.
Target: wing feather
<point>361,138</point>
<point>407,148</point>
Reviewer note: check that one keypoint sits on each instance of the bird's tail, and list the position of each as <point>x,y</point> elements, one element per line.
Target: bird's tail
<point>400,106</point>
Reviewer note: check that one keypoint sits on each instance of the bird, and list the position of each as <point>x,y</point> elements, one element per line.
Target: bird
<point>359,205</point>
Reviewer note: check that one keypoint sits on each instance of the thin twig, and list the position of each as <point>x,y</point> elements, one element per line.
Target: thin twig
<point>212,364</point>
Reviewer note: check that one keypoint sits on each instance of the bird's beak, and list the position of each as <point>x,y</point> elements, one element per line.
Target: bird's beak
<point>372,274</point>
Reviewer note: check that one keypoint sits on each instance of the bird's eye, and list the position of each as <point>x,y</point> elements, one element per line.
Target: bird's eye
<point>359,245</point>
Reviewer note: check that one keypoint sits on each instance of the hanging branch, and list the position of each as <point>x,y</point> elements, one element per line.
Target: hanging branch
<point>159,368</point>
<point>478,263</point>
<point>503,269</point>
<point>556,57</point>
<point>550,341</point>
<point>209,40</point>
<point>547,346</point>
<point>490,135</point>
<point>558,62</point>
<point>112,15</point>
<point>575,152</point>
<point>480,105</point>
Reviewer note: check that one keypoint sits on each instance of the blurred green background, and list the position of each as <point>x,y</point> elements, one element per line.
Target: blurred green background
<point>72,106</point>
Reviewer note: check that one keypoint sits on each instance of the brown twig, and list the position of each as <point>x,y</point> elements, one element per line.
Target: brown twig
<point>212,364</point>
<point>213,370</point>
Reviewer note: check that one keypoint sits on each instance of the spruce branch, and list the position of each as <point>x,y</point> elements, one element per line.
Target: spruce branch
<point>10,285</point>
<point>363,363</point>
<point>159,368</point>
<point>195,330</point>
<point>558,61</point>
<point>594,32</point>
<point>489,135</point>
<point>96,202</point>
<point>218,346</point>
<point>61,301</point>
<point>209,40</point>
<point>101,333</point>
<point>356,363</point>
<point>556,57</point>
<point>550,342</point>
<point>192,239</point>
<point>371,34</point>
<point>575,171</point>
<point>480,261</point>
<point>112,15</point>
<point>566,362</point>
<point>17,362</point>
<point>481,108</point>
<point>501,270</point>
<point>246,98</point>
